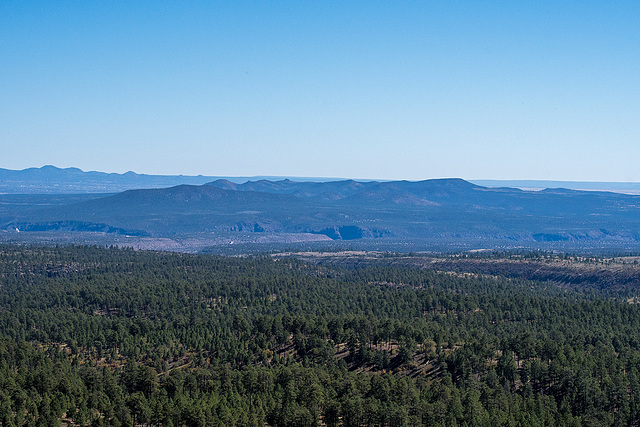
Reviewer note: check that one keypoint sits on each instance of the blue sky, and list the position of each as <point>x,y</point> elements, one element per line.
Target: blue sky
<point>386,90</point>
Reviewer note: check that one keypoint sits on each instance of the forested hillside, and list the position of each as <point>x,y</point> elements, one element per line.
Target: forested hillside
<point>95,336</point>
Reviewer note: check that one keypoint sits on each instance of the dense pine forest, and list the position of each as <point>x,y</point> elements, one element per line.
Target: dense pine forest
<point>105,336</point>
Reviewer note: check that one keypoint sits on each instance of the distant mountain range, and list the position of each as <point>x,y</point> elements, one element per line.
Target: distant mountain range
<point>428,213</point>
<point>52,180</point>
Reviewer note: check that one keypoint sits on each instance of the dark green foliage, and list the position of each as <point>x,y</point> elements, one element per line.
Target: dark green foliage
<point>120,337</point>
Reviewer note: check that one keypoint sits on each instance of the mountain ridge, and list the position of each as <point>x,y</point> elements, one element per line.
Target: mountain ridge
<point>423,214</point>
<point>53,180</point>
<point>441,210</point>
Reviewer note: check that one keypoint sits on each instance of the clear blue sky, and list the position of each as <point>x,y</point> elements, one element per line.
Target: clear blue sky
<point>387,90</point>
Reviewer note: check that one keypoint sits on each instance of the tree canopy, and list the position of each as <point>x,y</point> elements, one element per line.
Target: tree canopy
<point>106,336</point>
